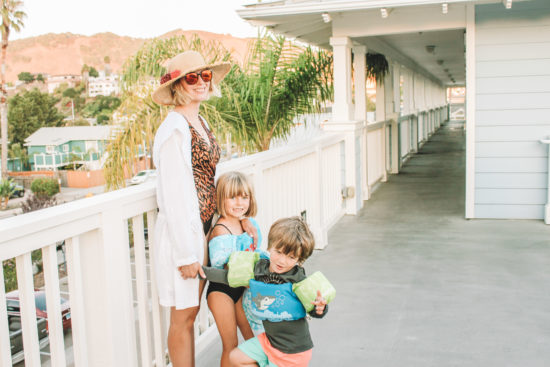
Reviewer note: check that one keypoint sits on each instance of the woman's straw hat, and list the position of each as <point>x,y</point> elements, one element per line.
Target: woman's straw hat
<point>184,63</point>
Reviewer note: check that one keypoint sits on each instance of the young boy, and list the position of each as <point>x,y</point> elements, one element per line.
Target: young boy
<point>286,341</point>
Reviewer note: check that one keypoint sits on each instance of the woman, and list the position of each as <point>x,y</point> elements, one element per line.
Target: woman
<point>185,154</point>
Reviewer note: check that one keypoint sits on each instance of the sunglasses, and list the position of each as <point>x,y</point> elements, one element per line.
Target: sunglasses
<point>193,78</point>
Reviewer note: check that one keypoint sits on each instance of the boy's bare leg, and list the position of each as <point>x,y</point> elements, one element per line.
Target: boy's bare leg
<point>239,359</point>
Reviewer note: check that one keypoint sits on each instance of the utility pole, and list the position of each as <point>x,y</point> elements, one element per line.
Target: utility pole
<point>72,108</point>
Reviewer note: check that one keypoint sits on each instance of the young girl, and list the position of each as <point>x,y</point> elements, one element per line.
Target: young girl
<point>235,200</point>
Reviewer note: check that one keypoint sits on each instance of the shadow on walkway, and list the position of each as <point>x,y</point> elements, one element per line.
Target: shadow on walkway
<point>418,285</point>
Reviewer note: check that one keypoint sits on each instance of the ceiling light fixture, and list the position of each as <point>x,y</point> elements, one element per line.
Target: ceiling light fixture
<point>326,17</point>
<point>444,8</point>
<point>384,13</point>
<point>430,49</point>
<point>440,62</point>
<point>507,4</point>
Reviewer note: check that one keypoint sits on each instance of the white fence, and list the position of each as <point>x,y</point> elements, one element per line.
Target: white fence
<point>116,319</point>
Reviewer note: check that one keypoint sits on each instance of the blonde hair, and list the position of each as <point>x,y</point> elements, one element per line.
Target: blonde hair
<point>180,97</point>
<point>291,236</point>
<point>233,184</point>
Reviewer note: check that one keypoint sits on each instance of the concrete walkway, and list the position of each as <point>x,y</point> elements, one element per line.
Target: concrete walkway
<point>419,286</point>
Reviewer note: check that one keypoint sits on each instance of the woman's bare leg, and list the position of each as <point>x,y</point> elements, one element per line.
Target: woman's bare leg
<point>181,334</point>
<point>181,337</point>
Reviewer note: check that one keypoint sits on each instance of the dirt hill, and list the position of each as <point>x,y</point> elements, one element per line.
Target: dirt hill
<point>65,53</point>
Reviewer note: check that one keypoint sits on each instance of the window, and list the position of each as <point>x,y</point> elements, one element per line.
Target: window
<point>50,149</point>
<point>66,148</point>
<point>91,145</point>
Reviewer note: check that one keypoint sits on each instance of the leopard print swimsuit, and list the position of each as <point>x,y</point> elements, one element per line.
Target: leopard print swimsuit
<point>204,158</point>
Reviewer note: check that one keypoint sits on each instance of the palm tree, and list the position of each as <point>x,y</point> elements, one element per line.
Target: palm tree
<point>12,18</point>
<point>279,82</point>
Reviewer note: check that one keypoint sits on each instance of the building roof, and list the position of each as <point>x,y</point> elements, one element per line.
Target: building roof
<point>60,135</point>
<point>399,29</point>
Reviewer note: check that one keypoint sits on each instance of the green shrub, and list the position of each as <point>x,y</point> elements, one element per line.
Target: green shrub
<point>45,187</point>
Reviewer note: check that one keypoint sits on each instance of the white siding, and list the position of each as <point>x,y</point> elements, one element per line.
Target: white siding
<point>513,109</point>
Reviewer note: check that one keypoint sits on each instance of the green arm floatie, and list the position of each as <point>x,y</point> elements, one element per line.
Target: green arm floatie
<point>306,290</point>
<point>241,268</point>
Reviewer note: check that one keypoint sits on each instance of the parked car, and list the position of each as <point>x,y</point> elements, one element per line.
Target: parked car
<point>143,176</point>
<point>16,336</point>
<point>18,191</point>
<point>12,302</point>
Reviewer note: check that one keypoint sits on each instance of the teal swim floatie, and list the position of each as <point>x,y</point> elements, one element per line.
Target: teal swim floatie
<point>275,302</point>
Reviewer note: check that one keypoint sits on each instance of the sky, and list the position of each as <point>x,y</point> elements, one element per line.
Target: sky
<point>134,18</point>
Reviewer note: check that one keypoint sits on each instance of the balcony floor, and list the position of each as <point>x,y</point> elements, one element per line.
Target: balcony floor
<point>418,285</point>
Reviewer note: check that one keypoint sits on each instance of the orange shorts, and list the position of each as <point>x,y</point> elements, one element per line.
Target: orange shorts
<point>281,359</point>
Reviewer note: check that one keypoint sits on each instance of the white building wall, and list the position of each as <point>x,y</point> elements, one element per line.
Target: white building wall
<point>512,109</point>
<point>103,85</point>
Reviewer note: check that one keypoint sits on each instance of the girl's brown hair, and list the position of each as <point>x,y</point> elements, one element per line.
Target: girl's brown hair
<point>233,184</point>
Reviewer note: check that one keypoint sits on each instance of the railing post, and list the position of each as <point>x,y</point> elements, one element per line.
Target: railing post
<point>318,217</point>
<point>547,206</point>
<point>352,130</point>
<point>106,277</point>
<point>395,154</point>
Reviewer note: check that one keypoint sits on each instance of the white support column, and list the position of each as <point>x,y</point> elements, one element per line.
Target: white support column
<point>360,82</point>
<point>470,109</point>
<point>342,108</point>
<point>392,108</point>
<point>381,116</point>
<point>342,121</point>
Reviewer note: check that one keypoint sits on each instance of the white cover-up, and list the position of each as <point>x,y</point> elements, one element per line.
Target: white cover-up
<point>179,237</point>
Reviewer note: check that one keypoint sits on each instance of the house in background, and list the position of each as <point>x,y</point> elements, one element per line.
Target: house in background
<point>105,84</point>
<point>499,50</point>
<point>54,81</point>
<point>51,148</point>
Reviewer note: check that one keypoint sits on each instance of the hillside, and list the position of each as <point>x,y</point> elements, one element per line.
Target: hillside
<point>65,53</point>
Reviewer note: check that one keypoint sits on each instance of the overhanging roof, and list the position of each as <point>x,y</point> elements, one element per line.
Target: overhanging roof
<point>402,36</point>
<point>61,135</point>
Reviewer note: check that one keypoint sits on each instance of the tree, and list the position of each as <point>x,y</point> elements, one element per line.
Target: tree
<point>12,18</point>
<point>93,72</point>
<point>6,189</point>
<point>40,78</point>
<point>102,108</point>
<point>19,152</point>
<point>26,77</point>
<point>279,82</point>
<point>29,111</point>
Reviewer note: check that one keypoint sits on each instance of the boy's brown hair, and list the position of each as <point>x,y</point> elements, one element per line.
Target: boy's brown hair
<point>291,236</point>
<point>233,184</point>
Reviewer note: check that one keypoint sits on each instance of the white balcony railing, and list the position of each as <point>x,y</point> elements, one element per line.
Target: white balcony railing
<point>116,319</point>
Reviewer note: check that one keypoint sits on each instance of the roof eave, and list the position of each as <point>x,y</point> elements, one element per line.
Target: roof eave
<point>269,9</point>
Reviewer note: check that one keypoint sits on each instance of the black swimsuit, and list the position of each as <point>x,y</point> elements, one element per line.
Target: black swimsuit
<point>233,293</point>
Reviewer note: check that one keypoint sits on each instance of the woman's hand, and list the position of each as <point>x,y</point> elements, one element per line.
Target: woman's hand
<point>190,271</point>
<point>319,303</point>
<point>249,228</point>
